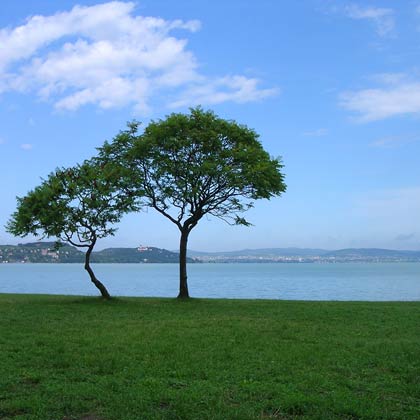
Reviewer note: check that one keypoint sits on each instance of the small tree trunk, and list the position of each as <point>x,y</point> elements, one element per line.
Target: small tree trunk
<point>183,285</point>
<point>104,292</point>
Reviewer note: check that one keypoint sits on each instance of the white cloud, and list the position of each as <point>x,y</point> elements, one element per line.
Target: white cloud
<point>398,96</point>
<point>382,18</point>
<point>26,146</point>
<point>2,141</point>
<point>106,56</point>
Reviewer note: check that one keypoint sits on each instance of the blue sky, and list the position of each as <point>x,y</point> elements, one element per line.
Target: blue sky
<point>331,86</point>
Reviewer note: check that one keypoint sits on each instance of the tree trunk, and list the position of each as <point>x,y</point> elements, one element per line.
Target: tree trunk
<point>104,292</point>
<point>183,285</point>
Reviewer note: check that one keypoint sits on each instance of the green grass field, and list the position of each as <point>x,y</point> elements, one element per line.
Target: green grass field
<point>68,358</point>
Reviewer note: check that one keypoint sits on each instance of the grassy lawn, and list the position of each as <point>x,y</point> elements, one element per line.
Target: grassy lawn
<point>65,358</point>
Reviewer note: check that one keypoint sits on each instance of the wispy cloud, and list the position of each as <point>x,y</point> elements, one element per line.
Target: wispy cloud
<point>405,237</point>
<point>107,56</point>
<point>390,142</point>
<point>397,209</point>
<point>237,89</point>
<point>390,78</point>
<point>319,132</point>
<point>396,96</point>
<point>417,11</point>
<point>26,146</point>
<point>381,18</point>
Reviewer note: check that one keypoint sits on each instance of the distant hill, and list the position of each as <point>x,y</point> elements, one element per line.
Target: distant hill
<point>308,255</point>
<point>45,252</point>
<point>372,252</point>
<point>302,252</point>
<point>40,252</point>
<point>136,255</point>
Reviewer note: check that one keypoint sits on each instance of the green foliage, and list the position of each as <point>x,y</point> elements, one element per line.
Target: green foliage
<point>77,205</point>
<point>188,166</point>
<point>115,154</point>
<point>128,359</point>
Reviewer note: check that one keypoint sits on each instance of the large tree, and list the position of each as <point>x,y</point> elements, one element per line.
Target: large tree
<point>190,166</point>
<point>77,205</point>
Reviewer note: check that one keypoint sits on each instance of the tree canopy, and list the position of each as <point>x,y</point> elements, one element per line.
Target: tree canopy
<point>189,166</point>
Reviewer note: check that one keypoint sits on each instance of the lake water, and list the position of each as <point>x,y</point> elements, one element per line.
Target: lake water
<point>344,281</point>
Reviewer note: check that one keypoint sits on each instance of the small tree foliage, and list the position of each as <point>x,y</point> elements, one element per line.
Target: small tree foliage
<point>77,205</point>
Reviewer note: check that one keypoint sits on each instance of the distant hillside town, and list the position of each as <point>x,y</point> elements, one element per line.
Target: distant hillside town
<point>308,255</point>
<point>48,252</point>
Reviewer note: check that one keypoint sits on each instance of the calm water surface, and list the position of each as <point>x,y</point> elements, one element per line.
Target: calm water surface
<point>347,281</point>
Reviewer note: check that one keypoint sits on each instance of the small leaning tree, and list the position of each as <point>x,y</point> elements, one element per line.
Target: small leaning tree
<point>77,205</point>
<point>190,166</point>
